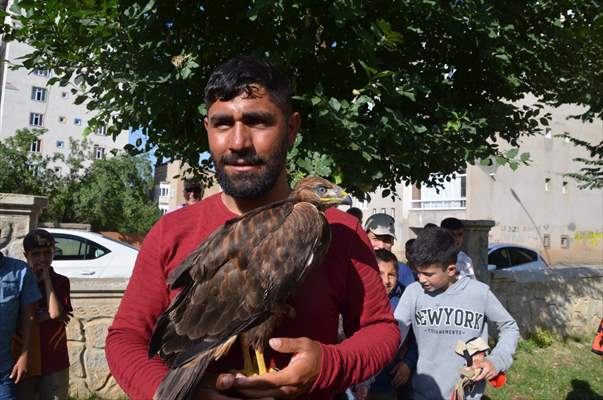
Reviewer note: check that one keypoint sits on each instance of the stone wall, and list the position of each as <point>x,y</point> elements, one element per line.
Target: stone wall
<point>18,215</point>
<point>568,301</point>
<point>95,302</point>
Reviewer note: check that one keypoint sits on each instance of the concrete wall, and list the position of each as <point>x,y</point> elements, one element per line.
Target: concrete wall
<point>568,301</point>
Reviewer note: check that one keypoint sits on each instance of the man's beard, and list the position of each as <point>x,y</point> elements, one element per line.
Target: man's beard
<point>251,185</point>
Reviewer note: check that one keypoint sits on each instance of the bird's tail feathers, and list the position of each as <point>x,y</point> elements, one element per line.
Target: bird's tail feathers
<point>180,383</point>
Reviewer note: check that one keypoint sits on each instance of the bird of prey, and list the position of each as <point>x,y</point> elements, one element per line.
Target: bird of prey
<point>237,284</point>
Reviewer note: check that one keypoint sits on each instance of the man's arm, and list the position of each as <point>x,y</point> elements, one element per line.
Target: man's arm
<point>146,297</point>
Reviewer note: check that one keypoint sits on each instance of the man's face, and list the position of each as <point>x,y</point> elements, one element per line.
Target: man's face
<point>388,272</point>
<point>433,277</point>
<point>248,140</point>
<point>381,241</point>
<point>40,258</point>
<point>458,235</point>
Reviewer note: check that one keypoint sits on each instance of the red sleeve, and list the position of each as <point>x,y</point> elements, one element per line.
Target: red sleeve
<point>145,298</point>
<point>373,334</point>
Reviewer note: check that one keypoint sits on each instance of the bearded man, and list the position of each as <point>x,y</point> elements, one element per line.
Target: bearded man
<point>250,126</point>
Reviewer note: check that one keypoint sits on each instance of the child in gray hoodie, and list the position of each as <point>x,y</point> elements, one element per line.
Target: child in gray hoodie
<point>444,308</point>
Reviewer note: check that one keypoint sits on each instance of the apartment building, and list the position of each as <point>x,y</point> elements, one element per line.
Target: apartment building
<point>169,185</point>
<point>27,101</point>
<point>536,205</point>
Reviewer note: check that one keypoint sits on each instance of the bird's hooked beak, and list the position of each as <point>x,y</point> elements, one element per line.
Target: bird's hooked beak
<point>335,197</point>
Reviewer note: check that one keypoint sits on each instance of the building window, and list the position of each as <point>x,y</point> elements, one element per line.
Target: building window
<point>60,144</point>
<point>77,121</point>
<point>36,119</point>
<point>452,195</point>
<point>62,119</point>
<point>546,240</point>
<point>101,130</point>
<point>45,73</point>
<point>64,95</point>
<point>564,242</point>
<point>163,208</point>
<point>99,152</point>
<point>564,188</point>
<point>547,184</point>
<point>36,146</point>
<point>38,94</point>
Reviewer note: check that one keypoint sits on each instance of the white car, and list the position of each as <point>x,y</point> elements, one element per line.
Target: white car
<point>512,257</point>
<point>83,254</point>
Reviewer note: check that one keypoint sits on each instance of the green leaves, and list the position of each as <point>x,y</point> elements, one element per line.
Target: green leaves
<point>110,194</point>
<point>393,90</point>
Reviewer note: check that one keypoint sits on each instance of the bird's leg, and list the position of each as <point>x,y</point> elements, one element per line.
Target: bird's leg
<point>248,369</point>
<point>259,357</point>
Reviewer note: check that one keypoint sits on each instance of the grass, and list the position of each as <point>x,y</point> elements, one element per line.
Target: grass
<point>552,370</point>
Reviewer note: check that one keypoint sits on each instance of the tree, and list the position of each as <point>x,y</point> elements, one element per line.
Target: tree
<point>388,90</point>
<point>114,195</point>
<point>110,194</point>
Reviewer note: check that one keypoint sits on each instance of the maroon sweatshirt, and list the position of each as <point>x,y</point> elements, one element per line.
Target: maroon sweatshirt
<point>346,283</point>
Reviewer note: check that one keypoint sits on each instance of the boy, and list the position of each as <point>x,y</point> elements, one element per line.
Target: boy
<point>394,381</point>
<point>49,377</point>
<point>444,309</point>
<point>464,264</point>
<point>18,296</point>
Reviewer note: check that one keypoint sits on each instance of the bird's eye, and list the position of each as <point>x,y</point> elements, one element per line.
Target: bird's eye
<point>322,190</point>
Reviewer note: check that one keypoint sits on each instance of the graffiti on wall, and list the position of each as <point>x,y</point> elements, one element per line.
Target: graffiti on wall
<point>592,238</point>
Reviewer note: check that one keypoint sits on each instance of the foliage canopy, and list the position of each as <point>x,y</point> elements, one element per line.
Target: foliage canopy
<point>388,90</point>
<point>110,194</point>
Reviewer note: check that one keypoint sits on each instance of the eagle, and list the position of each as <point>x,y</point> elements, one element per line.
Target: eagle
<point>238,282</point>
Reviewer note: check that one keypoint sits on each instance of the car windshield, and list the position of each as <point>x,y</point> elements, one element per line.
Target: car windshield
<point>120,242</point>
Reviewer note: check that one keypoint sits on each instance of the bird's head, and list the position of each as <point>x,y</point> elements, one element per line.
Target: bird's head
<point>320,192</point>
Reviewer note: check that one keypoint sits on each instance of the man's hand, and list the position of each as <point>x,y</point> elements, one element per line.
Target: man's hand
<point>487,370</point>
<point>20,368</point>
<point>293,381</point>
<point>400,374</point>
<point>213,394</point>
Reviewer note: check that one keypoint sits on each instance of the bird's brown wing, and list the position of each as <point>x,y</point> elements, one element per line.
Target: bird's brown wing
<point>237,275</point>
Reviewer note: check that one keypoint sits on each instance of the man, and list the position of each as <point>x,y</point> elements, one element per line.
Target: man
<point>18,297</point>
<point>455,227</point>
<point>193,192</point>
<point>381,231</point>
<point>250,127</point>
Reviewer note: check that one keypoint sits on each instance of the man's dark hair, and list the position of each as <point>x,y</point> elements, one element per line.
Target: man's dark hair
<point>451,224</point>
<point>356,212</point>
<point>433,246</point>
<point>408,248</point>
<point>239,75</point>
<point>191,185</point>
<point>430,225</point>
<point>36,239</point>
<point>386,256</point>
